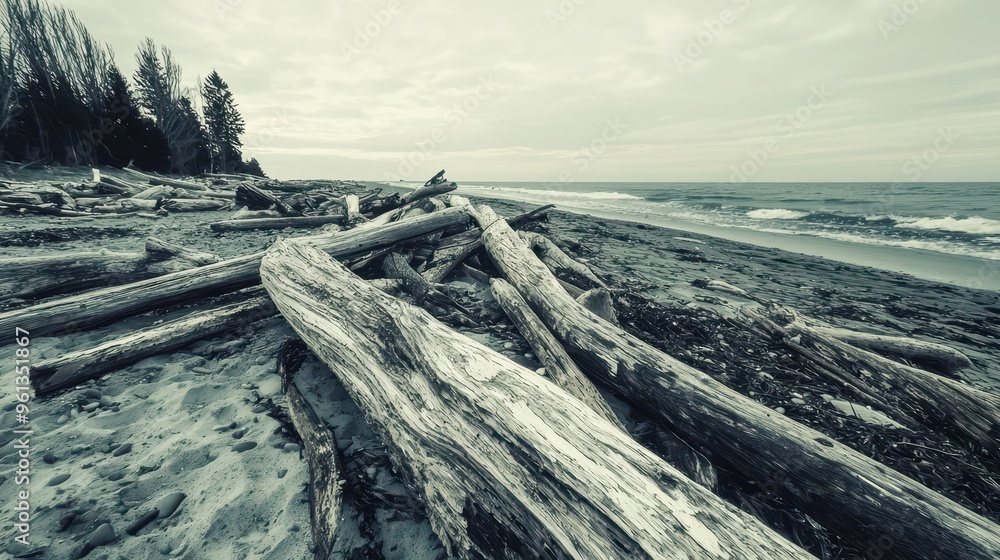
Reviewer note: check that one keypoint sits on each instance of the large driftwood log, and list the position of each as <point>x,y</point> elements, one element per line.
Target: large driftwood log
<point>948,358</point>
<point>193,204</point>
<point>558,365</point>
<point>434,186</point>
<point>99,307</point>
<point>508,464</point>
<point>69,272</point>
<point>164,181</point>
<point>561,264</point>
<point>397,266</point>
<point>324,473</point>
<point>851,494</point>
<point>277,223</point>
<point>257,199</point>
<point>69,370</point>
<point>967,412</point>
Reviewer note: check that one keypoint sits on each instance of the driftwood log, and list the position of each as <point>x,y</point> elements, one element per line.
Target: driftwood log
<point>325,496</point>
<point>946,357</point>
<point>850,494</point>
<point>277,223</point>
<point>79,312</point>
<point>69,370</point>
<point>397,267</point>
<point>193,204</point>
<point>69,272</point>
<point>257,199</point>
<point>930,399</point>
<point>508,464</point>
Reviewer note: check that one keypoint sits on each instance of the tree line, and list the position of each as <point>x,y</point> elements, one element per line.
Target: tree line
<point>63,100</point>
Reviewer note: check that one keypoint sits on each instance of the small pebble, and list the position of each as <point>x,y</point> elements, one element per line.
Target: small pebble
<point>291,448</point>
<point>92,394</point>
<point>371,472</point>
<point>62,419</point>
<point>780,410</point>
<point>127,448</point>
<point>238,434</point>
<point>261,360</point>
<point>49,458</point>
<point>169,504</point>
<point>58,479</point>
<point>798,401</point>
<point>540,371</point>
<point>91,407</point>
<point>282,473</point>
<point>508,345</point>
<point>259,408</point>
<point>102,536</point>
<point>66,520</point>
<point>142,522</point>
<point>244,446</point>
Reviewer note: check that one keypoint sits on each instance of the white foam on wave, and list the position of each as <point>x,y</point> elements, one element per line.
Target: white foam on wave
<point>936,246</point>
<point>535,194</point>
<point>776,214</point>
<point>973,224</point>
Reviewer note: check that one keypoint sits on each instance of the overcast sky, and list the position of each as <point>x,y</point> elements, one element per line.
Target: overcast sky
<point>593,90</point>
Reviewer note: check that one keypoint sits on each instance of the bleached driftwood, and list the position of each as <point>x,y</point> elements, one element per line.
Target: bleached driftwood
<point>598,302</point>
<point>68,272</point>
<point>258,199</point>
<point>507,464</point>
<point>397,267</point>
<point>950,359</point>
<point>848,493</point>
<point>561,264</point>
<point>79,312</point>
<point>277,223</point>
<point>930,399</point>
<point>558,365</point>
<point>246,214</point>
<point>165,181</point>
<point>325,496</point>
<point>352,207</point>
<point>193,204</point>
<point>69,370</point>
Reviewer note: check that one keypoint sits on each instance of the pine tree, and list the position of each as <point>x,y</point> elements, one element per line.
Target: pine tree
<point>224,122</point>
<point>252,167</point>
<point>158,82</point>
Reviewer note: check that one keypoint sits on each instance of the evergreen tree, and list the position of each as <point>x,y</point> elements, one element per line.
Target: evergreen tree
<point>252,167</point>
<point>158,83</point>
<point>129,137</point>
<point>224,123</point>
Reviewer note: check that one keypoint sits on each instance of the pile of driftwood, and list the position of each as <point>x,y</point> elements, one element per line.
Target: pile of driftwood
<point>509,462</point>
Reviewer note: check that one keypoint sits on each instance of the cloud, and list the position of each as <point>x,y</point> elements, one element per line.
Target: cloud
<point>346,89</point>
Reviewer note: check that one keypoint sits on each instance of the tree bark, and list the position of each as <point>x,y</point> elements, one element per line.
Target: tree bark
<point>69,370</point>
<point>508,464</point>
<point>69,272</point>
<point>277,223</point>
<point>559,367</point>
<point>257,199</point>
<point>854,496</point>
<point>107,305</point>
<point>193,205</point>
<point>967,412</point>
<point>324,473</point>
<point>948,358</point>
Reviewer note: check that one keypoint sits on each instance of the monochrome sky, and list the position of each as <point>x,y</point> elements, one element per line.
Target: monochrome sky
<point>593,90</point>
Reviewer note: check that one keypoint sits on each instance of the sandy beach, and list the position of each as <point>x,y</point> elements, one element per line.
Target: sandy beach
<point>207,423</point>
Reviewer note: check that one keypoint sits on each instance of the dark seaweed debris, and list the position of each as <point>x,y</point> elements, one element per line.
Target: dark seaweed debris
<point>766,371</point>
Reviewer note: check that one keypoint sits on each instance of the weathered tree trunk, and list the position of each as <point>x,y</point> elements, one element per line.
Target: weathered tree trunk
<point>135,205</point>
<point>103,306</point>
<point>69,370</point>
<point>854,496</point>
<point>70,272</point>
<point>155,192</point>
<point>352,207</point>
<point>949,359</point>
<point>558,365</point>
<point>277,223</point>
<point>257,199</point>
<point>969,413</point>
<point>166,257</point>
<point>508,464</point>
<point>396,266</point>
<point>193,205</point>
<point>561,264</point>
<point>324,473</point>
<point>434,186</point>
<point>450,252</point>
<point>165,181</point>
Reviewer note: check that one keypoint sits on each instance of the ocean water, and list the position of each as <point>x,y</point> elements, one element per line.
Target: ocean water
<point>942,231</point>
